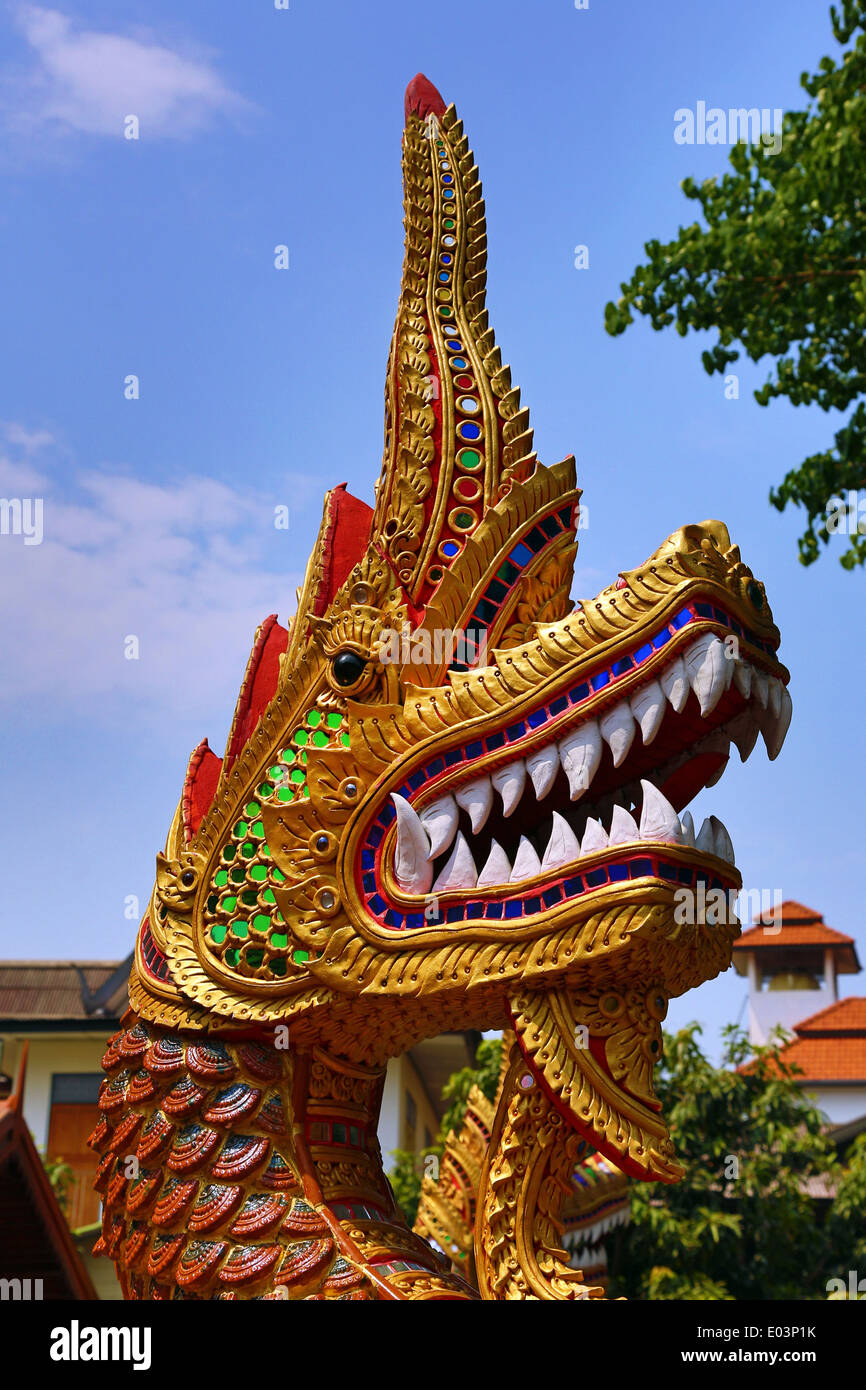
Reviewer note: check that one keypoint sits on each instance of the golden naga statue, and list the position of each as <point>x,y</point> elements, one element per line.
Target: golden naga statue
<point>596,1202</point>
<point>450,799</point>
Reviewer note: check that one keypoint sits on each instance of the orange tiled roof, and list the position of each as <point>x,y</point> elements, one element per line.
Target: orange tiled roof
<point>792,924</point>
<point>828,1058</point>
<point>831,1044</point>
<point>846,1016</point>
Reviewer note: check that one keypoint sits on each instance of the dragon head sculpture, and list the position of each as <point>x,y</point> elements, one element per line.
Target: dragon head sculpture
<point>451,797</point>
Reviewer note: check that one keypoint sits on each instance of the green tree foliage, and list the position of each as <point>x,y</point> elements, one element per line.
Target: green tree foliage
<point>780,268</point>
<point>484,1075</point>
<point>405,1178</point>
<point>742,1223</point>
<point>846,1224</point>
<point>61,1176</point>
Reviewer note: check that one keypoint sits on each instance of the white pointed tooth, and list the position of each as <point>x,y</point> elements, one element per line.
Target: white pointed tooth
<point>563,847</point>
<point>580,755</point>
<point>440,819</point>
<point>744,732</point>
<point>594,837</point>
<point>459,872</point>
<point>476,797</point>
<point>412,868</point>
<point>774,730</point>
<point>675,684</point>
<point>526,862</point>
<point>509,782</point>
<point>706,840</point>
<point>705,664</point>
<point>774,701</point>
<point>743,678</point>
<point>543,767</point>
<point>687,826</point>
<point>648,707</point>
<point>623,827</point>
<point>617,730</point>
<point>760,687</point>
<point>722,840</point>
<point>497,870</point>
<point>658,819</point>
<point>730,663</point>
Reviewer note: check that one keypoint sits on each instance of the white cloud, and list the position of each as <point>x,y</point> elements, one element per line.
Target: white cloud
<point>182,567</point>
<point>89,81</point>
<point>28,440</point>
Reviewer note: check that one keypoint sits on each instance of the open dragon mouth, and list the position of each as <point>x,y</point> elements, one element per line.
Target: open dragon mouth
<point>586,790</point>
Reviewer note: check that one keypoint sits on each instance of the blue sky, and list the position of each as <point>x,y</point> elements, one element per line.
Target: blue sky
<point>258,387</point>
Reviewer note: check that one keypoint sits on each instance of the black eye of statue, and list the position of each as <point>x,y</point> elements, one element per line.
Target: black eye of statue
<point>348,668</point>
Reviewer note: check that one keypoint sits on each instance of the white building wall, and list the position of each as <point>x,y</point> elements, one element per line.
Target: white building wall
<point>785,1008</point>
<point>49,1053</point>
<point>389,1116</point>
<point>839,1103</point>
<point>401,1078</point>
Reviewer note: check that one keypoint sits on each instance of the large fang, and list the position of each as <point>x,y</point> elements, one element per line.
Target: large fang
<point>543,768</point>
<point>580,755</point>
<point>744,733</point>
<point>563,847</point>
<point>617,730</point>
<point>722,841</point>
<point>713,838</point>
<point>594,837</point>
<point>648,707</point>
<point>743,678</point>
<point>687,826</point>
<point>476,798</point>
<point>497,869</point>
<point>705,664</point>
<point>774,730</point>
<point>526,862</point>
<point>509,782</point>
<point>760,687</point>
<point>675,683</point>
<point>658,819</point>
<point>623,829</point>
<point>459,872</point>
<point>412,868</point>
<point>440,819</point>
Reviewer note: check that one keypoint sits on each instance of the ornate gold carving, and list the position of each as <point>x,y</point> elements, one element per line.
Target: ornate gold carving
<point>446,1211</point>
<point>261,917</point>
<point>525,1182</point>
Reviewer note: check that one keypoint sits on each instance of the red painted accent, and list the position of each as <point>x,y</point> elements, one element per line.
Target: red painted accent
<point>260,683</point>
<point>198,792</point>
<point>422,98</point>
<point>346,538</point>
<point>684,784</point>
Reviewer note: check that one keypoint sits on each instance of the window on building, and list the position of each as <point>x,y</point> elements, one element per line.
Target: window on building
<point>73,1118</point>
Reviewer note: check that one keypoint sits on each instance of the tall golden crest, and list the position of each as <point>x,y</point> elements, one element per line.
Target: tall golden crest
<point>450,799</point>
